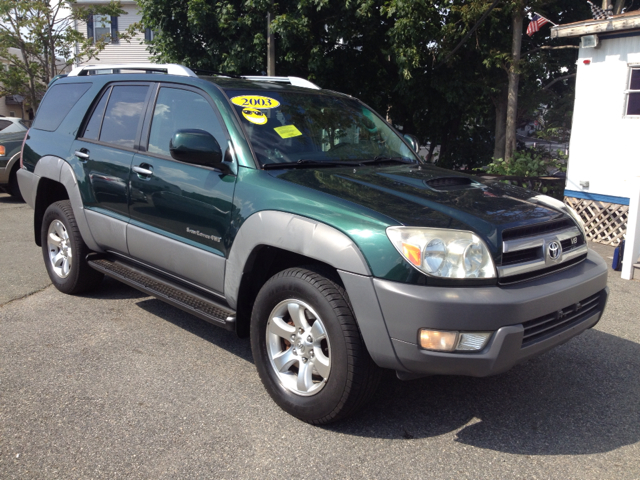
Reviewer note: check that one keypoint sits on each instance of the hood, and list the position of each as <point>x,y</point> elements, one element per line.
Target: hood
<point>428,196</point>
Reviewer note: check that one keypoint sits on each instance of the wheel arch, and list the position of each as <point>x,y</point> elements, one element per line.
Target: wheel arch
<point>271,241</point>
<point>54,180</point>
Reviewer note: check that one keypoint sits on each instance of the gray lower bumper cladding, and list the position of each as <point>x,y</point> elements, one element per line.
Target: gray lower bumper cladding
<point>556,300</point>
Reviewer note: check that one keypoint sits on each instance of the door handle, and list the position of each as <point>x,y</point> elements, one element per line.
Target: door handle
<point>82,154</point>
<point>142,171</point>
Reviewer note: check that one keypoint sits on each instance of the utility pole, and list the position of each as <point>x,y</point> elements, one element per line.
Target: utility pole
<point>271,48</point>
<point>514,77</point>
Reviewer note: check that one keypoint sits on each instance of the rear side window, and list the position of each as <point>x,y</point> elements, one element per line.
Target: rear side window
<point>4,124</point>
<point>57,103</point>
<point>123,114</point>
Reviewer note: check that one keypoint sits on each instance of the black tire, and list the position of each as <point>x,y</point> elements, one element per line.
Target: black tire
<point>65,248</point>
<point>352,377</point>
<point>14,189</point>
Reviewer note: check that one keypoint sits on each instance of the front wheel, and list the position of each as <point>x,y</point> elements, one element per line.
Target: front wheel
<point>308,349</point>
<point>65,252</point>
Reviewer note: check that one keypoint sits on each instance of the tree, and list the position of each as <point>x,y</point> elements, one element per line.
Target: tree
<point>405,59</point>
<point>38,40</point>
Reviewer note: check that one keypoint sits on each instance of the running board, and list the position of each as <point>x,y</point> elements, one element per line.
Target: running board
<point>167,291</point>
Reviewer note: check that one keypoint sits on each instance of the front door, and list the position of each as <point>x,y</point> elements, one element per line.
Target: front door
<point>180,213</point>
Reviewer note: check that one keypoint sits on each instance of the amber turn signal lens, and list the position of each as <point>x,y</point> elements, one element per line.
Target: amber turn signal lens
<point>438,340</point>
<point>412,253</point>
<point>2,151</point>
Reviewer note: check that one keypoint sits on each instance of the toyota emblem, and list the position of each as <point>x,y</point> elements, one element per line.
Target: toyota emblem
<point>554,250</point>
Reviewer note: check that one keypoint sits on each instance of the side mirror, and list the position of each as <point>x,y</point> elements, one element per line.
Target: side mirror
<point>197,147</point>
<point>413,141</point>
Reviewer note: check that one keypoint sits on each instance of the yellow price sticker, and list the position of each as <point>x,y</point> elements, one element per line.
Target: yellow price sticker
<point>288,131</point>
<point>255,101</point>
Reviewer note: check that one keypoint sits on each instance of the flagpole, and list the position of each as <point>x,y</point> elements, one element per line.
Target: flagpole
<point>554,24</point>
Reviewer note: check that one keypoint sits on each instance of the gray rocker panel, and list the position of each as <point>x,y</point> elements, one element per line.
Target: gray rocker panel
<point>191,263</point>
<point>293,233</point>
<point>110,233</point>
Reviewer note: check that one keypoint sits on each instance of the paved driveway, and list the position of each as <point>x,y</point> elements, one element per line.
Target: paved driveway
<point>119,385</point>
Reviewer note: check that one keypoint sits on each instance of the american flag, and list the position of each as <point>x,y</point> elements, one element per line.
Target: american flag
<point>536,22</point>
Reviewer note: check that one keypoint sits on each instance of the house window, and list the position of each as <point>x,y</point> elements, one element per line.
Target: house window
<point>103,27</point>
<point>633,94</point>
<point>148,34</point>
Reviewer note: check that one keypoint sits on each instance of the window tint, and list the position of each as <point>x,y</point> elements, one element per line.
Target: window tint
<point>121,119</point>
<point>93,127</point>
<point>4,124</point>
<point>179,109</point>
<point>57,103</point>
<point>633,103</point>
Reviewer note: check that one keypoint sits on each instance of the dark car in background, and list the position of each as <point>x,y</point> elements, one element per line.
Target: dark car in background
<point>12,132</point>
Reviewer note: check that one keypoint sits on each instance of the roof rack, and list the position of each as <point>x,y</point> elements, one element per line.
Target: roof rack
<point>168,68</point>
<point>295,81</point>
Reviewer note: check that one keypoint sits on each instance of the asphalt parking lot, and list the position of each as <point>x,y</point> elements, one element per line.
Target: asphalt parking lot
<point>116,384</point>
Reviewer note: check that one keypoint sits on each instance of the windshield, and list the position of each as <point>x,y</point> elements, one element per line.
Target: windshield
<point>300,127</point>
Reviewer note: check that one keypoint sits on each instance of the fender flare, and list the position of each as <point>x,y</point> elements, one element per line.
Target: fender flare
<point>296,234</point>
<point>58,170</point>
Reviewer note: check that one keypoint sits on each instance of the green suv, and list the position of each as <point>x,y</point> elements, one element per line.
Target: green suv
<point>299,217</point>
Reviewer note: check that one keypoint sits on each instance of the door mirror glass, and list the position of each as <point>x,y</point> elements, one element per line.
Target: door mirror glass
<point>197,147</point>
<point>413,141</point>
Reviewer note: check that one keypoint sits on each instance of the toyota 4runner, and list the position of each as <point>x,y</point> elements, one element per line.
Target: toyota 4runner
<point>299,217</point>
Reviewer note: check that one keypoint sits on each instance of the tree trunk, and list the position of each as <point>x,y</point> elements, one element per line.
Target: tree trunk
<point>501,124</point>
<point>514,77</point>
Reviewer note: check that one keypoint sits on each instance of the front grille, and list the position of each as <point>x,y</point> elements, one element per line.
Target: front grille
<point>531,230</point>
<point>545,327</point>
<point>525,250</point>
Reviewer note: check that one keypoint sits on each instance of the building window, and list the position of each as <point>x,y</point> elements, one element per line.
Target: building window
<point>148,34</point>
<point>12,113</point>
<point>633,94</point>
<point>103,27</point>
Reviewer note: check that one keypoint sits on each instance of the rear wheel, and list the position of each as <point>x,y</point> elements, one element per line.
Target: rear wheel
<point>65,252</point>
<point>308,349</point>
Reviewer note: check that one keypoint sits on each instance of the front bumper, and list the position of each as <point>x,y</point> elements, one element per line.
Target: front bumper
<point>499,309</point>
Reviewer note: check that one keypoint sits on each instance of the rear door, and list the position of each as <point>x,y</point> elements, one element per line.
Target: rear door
<point>180,212</point>
<point>105,149</point>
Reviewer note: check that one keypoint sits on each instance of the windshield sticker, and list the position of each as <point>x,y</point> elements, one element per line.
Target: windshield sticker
<point>255,101</point>
<point>288,131</point>
<point>254,116</point>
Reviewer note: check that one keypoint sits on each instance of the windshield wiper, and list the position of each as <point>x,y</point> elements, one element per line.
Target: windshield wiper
<point>378,159</point>
<point>302,163</point>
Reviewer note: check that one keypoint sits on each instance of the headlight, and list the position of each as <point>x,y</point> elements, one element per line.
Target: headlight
<point>443,253</point>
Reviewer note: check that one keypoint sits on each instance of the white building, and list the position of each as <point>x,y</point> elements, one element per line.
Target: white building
<point>603,154</point>
<point>117,51</point>
<point>603,176</point>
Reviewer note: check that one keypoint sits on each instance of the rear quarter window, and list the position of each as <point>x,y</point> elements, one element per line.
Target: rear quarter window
<point>57,103</point>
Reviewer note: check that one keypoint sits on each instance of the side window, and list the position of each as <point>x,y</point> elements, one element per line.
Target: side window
<point>92,132</point>
<point>123,114</point>
<point>178,109</point>
<point>633,94</point>
<point>55,105</point>
<point>4,124</point>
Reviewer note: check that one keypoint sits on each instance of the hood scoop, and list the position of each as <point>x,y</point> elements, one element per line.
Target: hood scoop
<point>445,184</point>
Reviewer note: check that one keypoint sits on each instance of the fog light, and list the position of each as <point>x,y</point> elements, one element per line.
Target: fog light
<point>437,340</point>
<point>473,340</point>
<point>453,341</point>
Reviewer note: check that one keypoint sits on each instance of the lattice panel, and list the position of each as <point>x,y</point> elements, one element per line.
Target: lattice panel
<point>605,222</point>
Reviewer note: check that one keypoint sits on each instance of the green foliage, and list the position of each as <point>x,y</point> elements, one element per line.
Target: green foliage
<point>38,41</point>
<point>392,54</point>
<point>528,163</point>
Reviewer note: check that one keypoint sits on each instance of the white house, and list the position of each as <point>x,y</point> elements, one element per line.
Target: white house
<point>604,160</point>
<point>117,51</point>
